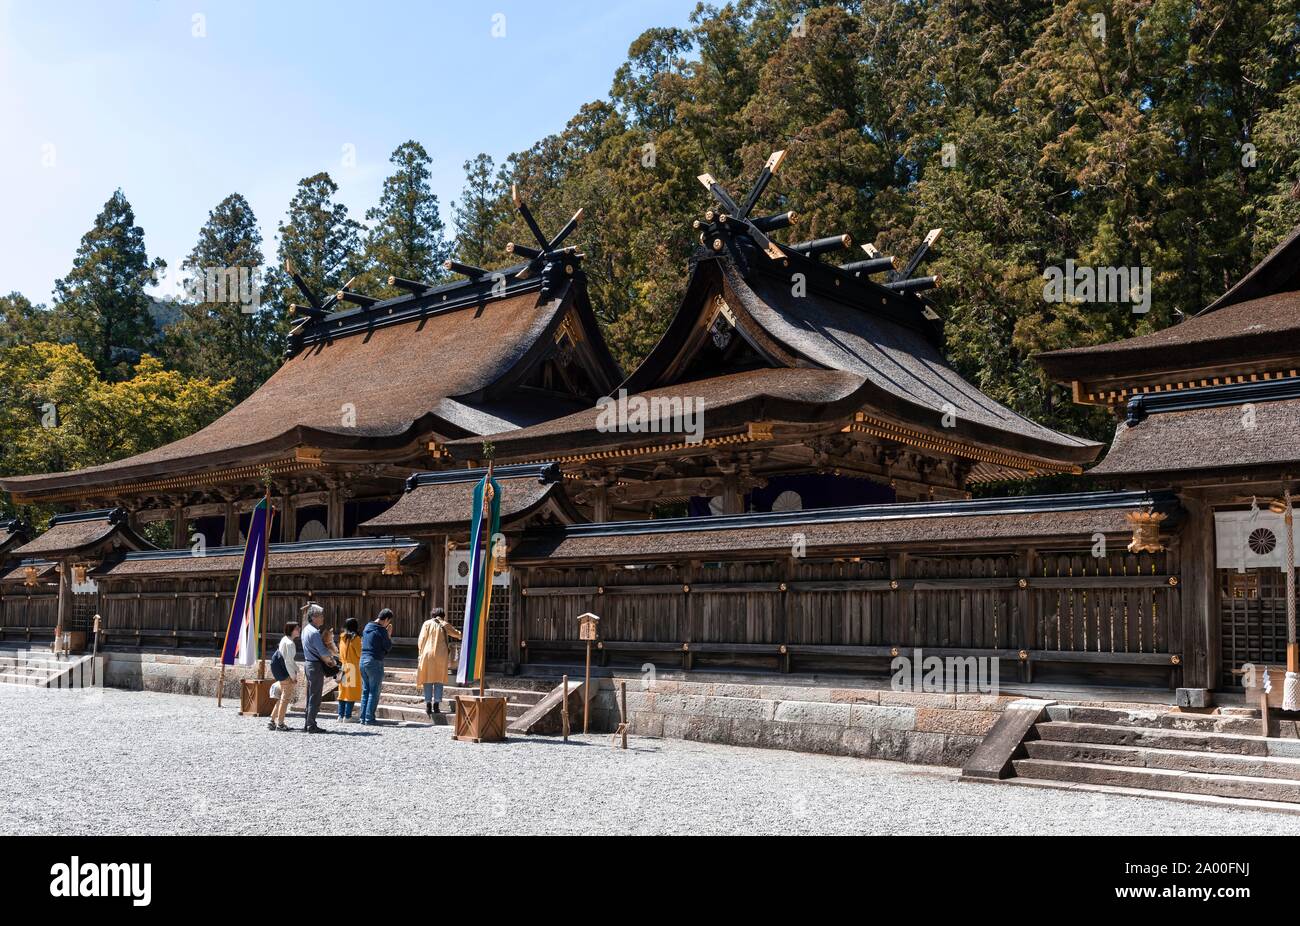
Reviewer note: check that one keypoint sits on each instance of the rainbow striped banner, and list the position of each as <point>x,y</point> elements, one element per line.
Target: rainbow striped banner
<point>473,647</point>
<point>245,627</point>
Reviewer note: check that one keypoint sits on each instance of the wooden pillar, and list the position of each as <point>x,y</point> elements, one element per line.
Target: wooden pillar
<point>336,502</point>
<point>288,518</point>
<point>61,623</point>
<point>180,536</point>
<point>600,502</point>
<point>1199,597</point>
<point>230,533</point>
<point>733,500</point>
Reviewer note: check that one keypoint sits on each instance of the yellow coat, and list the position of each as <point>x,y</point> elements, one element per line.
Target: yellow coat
<point>350,674</point>
<point>433,651</point>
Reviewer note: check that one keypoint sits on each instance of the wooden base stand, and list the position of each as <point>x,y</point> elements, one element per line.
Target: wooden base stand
<point>480,719</point>
<point>255,697</point>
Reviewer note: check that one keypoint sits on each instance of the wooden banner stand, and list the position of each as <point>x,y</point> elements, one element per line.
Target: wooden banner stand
<point>255,697</point>
<point>480,719</point>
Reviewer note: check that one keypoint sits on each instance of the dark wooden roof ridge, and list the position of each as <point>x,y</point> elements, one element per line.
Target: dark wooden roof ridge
<point>543,472</point>
<point>876,528</point>
<point>1141,406</point>
<point>892,511</point>
<point>438,300</point>
<point>311,554</point>
<point>81,531</point>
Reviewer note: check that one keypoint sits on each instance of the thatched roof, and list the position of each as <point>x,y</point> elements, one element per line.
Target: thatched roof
<point>846,344</point>
<point>84,532</point>
<point>448,363</point>
<point>443,502</point>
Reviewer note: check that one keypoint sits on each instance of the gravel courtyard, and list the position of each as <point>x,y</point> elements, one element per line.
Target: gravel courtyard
<point>125,762</point>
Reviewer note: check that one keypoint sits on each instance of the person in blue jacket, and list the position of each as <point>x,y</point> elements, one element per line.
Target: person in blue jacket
<point>375,644</point>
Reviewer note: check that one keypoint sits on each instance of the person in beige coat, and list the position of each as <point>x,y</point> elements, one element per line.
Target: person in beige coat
<point>434,658</point>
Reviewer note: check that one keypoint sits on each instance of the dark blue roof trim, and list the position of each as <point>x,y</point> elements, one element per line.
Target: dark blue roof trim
<point>303,546</point>
<point>542,472</point>
<point>111,515</point>
<point>1028,504</point>
<point>1154,403</point>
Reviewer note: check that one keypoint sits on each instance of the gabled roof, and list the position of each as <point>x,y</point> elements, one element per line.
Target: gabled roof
<point>84,532</point>
<point>846,344</point>
<point>452,361</point>
<point>443,502</point>
<point>1257,320</point>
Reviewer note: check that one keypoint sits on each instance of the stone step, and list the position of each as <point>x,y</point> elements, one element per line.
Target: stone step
<point>1164,720</point>
<point>1174,760</point>
<point>513,695</point>
<point>1230,786</point>
<point>1157,738</point>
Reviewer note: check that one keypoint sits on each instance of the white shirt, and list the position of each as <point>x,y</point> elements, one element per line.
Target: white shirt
<point>289,650</point>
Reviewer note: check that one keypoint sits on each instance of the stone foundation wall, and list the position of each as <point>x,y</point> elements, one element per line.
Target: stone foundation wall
<point>191,675</point>
<point>923,728</point>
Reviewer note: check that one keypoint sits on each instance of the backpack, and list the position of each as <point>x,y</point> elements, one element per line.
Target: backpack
<point>279,671</point>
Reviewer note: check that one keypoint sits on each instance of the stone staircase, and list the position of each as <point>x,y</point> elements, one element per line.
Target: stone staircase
<point>1210,756</point>
<point>403,699</point>
<point>39,669</point>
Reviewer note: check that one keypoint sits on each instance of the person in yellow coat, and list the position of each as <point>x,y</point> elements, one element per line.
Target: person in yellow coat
<point>349,670</point>
<point>434,658</point>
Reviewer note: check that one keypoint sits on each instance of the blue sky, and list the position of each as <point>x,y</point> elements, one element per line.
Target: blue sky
<point>97,95</point>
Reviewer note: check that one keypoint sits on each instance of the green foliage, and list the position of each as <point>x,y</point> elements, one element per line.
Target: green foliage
<point>21,322</point>
<point>321,241</point>
<point>61,415</point>
<point>1148,133</point>
<point>219,336</point>
<point>101,304</point>
<point>406,238</point>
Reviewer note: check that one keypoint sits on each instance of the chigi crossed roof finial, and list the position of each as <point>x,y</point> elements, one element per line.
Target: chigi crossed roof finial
<point>732,224</point>
<point>739,214</point>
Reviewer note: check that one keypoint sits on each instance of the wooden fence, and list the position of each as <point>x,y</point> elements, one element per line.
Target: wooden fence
<point>1109,618</point>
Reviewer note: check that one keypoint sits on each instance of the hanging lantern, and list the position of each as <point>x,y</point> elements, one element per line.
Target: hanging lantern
<point>391,565</point>
<point>79,575</point>
<point>1146,531</point>
<point>29,576</point>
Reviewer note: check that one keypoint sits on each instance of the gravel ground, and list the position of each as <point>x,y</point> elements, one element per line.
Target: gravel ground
<point>126,762</point>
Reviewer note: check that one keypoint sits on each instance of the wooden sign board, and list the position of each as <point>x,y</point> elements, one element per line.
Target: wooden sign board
<point>588,627</point>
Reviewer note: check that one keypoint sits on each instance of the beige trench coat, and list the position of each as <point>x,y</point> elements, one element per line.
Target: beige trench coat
<point>433,651</point>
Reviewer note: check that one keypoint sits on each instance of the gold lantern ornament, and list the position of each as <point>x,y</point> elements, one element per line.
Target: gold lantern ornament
<point>391,565</point>
<point>29,576</point>
<point>79,575</point>
<point>1146,531</point>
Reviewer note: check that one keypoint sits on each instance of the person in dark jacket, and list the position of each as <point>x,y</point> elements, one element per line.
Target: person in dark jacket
<point>375,644</point>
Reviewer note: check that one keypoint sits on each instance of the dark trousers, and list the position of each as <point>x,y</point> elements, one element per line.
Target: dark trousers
<point>315,689</point>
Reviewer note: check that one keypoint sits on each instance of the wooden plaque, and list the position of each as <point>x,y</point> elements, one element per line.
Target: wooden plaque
<point>255,697</point>
<point>480,720</point>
